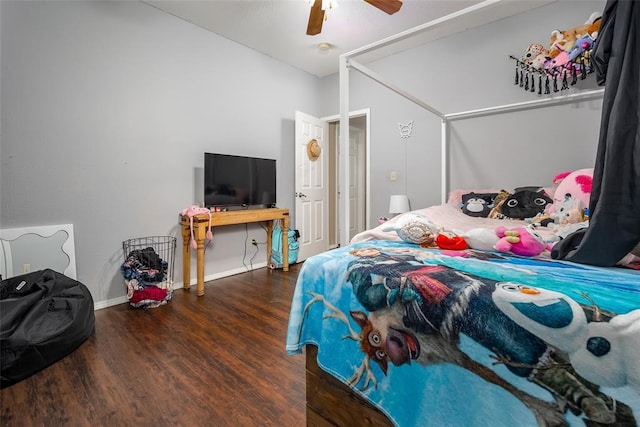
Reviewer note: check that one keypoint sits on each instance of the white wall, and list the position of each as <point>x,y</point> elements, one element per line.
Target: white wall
<point>107,109</point>
<point>462,72</point>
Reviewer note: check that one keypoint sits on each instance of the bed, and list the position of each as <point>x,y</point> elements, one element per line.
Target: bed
<point>400,329</point>
<point>411,335</point>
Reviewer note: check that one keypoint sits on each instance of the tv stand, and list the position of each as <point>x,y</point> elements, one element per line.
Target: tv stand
<point>244,216</point>
<point>238,208</point>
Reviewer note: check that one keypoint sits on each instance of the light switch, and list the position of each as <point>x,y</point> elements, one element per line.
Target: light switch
<point>393,176</point>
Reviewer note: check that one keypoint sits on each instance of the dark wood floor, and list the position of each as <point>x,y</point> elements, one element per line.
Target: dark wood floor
<point>217,360</point>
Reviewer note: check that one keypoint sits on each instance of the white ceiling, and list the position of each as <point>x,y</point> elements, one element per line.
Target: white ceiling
<point>277,28</point>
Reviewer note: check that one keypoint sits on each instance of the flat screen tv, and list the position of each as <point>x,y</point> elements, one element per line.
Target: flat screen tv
<point>239,181</point>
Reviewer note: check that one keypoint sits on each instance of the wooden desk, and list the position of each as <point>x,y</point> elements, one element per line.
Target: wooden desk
<point>201,225</point>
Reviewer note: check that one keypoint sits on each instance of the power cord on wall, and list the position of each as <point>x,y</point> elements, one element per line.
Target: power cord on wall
<point>244,255</point>
<point>255,244</point>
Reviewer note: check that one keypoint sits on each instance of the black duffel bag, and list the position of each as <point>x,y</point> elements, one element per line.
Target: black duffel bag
<point>44,316</point>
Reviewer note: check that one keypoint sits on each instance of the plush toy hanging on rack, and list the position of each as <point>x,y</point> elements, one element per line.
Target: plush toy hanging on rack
<point>567,57</point>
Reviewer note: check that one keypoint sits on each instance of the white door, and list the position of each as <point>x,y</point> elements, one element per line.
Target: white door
<point>311,186</point>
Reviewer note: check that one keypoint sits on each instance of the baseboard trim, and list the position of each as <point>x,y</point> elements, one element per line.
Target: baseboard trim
<point>109,303</point>
<point>179,285</point>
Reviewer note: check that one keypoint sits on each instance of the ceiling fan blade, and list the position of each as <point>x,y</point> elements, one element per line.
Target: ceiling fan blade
<point>316,18</point>
<point>388,6</point>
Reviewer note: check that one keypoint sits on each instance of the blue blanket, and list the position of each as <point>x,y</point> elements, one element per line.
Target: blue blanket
<point>465,338</point>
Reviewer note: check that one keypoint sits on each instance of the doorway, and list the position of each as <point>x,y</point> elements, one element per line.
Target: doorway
<point>358,175</point>
<point>317,181</point>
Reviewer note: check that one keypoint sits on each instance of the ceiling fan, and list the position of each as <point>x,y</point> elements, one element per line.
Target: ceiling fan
<point>316,16</point>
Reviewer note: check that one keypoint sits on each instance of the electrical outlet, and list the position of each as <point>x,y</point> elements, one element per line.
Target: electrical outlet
<point>26,268</point>
<point>253,242</point>
<point>393,176</point>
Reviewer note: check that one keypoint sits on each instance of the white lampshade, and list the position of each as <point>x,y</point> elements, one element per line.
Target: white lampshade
<point>399,203</point>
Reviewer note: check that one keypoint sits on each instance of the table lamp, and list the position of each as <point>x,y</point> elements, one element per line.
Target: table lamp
<point>399,203</point>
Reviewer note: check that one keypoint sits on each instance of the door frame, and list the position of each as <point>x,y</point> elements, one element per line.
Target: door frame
<point>335,216</point>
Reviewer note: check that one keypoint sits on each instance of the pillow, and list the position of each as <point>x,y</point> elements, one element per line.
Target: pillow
<point>548,191</point>
<point>524,204</point>
<point>455,196</point>
<point>478,204</point>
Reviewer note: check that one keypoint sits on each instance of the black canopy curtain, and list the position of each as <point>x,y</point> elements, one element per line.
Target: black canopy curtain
<point>614,223</point>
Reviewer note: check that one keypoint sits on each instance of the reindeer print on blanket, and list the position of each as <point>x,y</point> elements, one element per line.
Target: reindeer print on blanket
<point>409,311</point>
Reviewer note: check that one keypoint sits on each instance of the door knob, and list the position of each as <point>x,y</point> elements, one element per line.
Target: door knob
<point>301,195</point>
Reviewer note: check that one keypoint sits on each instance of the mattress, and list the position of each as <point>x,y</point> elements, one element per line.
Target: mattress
<point>472,337</point>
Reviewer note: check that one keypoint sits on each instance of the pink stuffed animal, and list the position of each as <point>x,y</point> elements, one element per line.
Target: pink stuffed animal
<point>192,211</point>
<point>559,60</point>
<point>520,241</point>
<point>576,185</point>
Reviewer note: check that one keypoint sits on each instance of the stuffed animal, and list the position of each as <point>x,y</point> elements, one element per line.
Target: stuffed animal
<point>477,204</point>
<point>533,51</point>
<point>520,241</point>
<point>572,216</point>
<point>523,204</point>
<point>571,211</point>
<point>414,228</point>
<point>562,58</point>
<point>192,211</point>
<point>450,241</point>
<point>536,56</point>
<point>560,42</point>
<point>571,185</point>
<point>583,43</point>
<point>539,61</point>
<point>482,239</point>
<point>565,40</point>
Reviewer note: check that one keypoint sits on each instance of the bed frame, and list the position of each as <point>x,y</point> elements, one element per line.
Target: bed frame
<point>479,14</point>
<point>330,402</point>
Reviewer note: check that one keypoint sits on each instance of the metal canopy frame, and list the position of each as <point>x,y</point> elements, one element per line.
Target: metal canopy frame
<point>347,63</point>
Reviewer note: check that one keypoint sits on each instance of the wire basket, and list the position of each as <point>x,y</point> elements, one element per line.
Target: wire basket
<point>150,261</point>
